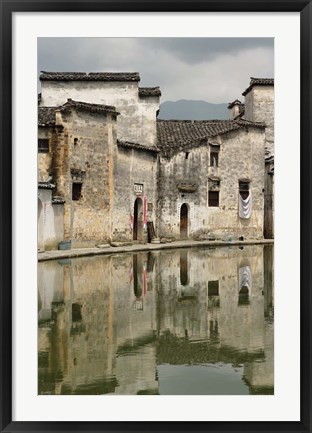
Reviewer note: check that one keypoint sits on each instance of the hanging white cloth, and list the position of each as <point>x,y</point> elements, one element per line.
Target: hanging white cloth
<point>245,206</point>
<point>245,277</point>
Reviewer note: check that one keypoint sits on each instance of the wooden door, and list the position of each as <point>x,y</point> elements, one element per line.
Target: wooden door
<point>183,221</point>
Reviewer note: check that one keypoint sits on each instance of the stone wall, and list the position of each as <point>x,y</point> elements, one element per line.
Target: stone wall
<point>241,156</point>
<point>45,158</point>
<point>85,153</point>
<point>133,168</point>
<point>137,122</point>
<point>259,107</point>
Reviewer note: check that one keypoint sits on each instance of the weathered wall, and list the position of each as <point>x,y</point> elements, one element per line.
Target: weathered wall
<point>87,221</point>
<point>137,122</point>
<point>259,107</point>
<point>45,158</point>
<point>133,166</point>
<point>241,156</point>
<point>50,221</point>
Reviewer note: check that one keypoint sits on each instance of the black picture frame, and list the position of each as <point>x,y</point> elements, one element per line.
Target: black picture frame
<point>8,7</point>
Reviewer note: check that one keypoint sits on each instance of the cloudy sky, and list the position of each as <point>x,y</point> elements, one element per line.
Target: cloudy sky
<point>211,69</point>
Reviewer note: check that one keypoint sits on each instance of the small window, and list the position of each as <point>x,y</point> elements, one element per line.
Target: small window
<point>187,155</point>
<point>213,288</point>
<point>43,145</point>
<point>76,192</point>
<point>213,198</point>
<point>244,189</point>
<point>214,159</point>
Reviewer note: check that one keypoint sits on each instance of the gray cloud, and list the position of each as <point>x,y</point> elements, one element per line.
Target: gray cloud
<point>211,69</point>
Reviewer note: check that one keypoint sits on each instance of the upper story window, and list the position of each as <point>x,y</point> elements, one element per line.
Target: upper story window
<point>213,192</point>
<point>244,189</point>
<point>76,191</point>
<point>214,155</point>
<point>43,145</point>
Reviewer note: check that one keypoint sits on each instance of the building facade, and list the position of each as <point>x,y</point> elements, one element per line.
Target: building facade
<point>114,173</point>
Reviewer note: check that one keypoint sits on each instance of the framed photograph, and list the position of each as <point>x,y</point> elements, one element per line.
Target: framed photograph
<point>155,216</point>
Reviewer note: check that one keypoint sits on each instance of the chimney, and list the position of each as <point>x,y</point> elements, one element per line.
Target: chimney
<point>235,109</point>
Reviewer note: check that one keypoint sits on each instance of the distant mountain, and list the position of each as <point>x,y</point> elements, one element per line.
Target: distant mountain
<point>193,110</point>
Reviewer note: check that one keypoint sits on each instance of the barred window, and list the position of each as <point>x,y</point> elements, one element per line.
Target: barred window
<point>213,198</point>
<point>43,145</point>
<point>76,191</point>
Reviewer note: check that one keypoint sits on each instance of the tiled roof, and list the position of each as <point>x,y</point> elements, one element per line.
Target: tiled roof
<point>258,82</point>
<point>130,145</point>
<point>89,107</point>
<point>46,185</point>
<point>149,91</point>
<point>46,116</point>
<point>176,135</point>
<point>91,76</point>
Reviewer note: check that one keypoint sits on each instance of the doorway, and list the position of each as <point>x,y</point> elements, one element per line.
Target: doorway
<point>184,221</point>
<point>138,220</point>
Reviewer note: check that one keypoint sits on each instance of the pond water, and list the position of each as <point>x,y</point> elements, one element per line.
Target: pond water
<point>177,322</point>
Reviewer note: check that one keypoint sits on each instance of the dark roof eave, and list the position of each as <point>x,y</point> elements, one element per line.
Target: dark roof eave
<point>91,76</point>
<point>136,146</point>
<point>258,82</point>
<point>45,185</point>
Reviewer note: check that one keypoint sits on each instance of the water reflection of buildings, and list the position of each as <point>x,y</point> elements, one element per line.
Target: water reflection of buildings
<point>105,323</point>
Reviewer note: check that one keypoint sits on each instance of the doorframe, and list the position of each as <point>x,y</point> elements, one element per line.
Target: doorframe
<point>187,219</point>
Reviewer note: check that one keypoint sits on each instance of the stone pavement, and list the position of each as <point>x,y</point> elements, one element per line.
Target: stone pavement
<point>79,252</point>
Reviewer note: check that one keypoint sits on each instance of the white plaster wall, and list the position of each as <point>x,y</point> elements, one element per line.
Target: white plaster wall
<point>137,122</point>
<point>52,220</point>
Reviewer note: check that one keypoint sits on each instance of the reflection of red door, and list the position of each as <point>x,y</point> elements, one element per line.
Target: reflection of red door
<point>183,221</point>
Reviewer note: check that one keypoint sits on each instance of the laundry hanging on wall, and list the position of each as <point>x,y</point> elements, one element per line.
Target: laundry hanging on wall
<point>245,206</point>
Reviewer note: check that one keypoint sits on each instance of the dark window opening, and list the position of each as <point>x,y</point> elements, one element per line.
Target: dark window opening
<point>187,155</point>
<point>76,192</point>
<point>43,145</point>
<point>75,141</point>
<point>214,159</point>
<point>244,189</point>
<point>213,288</point>
<point>76,313</point>
<point>213,198</point>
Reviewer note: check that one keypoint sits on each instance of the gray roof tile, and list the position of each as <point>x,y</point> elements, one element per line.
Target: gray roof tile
<point>149,91</point>
<point>176,135</point>
<point>91,76</point>
<point>258,82</point>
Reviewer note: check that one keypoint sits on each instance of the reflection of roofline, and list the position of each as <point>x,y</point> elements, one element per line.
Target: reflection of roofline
<point>178,351</point>
<point>258,82</point>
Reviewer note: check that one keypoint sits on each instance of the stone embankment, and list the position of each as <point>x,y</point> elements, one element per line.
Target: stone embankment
<point>105,249</point>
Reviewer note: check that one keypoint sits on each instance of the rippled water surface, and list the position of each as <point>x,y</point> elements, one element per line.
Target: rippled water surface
<point>185,321</point>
